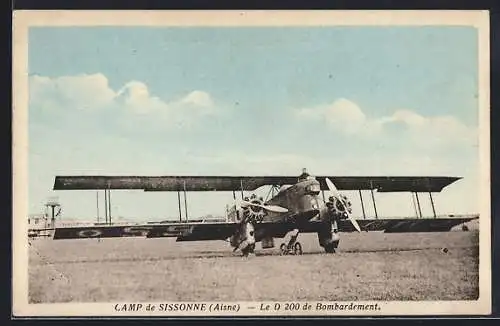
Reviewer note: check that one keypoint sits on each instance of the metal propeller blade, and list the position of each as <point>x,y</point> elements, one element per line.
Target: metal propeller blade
<point>274,208</point>
<point>354,222</point>
<point>336,194</point>
<point>332,187</point>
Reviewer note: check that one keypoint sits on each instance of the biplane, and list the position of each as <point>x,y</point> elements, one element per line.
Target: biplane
<point>294,205</point>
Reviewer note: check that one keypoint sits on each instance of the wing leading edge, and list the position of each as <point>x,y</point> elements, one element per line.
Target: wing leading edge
<point>248,183</point>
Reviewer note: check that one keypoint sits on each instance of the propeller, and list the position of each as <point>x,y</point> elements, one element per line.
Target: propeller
<point>271,208</point>
<point>336,194</point>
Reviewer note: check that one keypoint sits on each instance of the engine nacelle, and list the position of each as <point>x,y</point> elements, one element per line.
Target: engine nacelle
<point>254,213</point>
<point>250,210</point>
<point>268,243</point>
<point>339,207</point>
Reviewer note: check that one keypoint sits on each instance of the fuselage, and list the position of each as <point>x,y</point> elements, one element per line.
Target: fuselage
<point>300,199</point>
<point>307,212</point>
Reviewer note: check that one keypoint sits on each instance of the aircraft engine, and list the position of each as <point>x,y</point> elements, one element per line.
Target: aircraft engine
<point>339,207</point>
<point>256,212</point>
<point>268,243</point>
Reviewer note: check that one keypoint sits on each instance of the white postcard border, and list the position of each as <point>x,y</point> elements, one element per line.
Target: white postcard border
<point>22,20</point>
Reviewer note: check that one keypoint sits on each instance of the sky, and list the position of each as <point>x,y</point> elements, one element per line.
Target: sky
<point>251,101</point>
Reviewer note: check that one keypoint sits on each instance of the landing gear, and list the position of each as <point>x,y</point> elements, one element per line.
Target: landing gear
<point>248,250</point>
<point>283,249</point>
<point>329,237</point>
<point>297,248</point>
<point>293,247</point>
<point>330,248</point>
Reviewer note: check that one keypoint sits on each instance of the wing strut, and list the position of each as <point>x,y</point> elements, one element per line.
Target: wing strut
<point>237,211</point>
<point>414,204</point>
<point>272,192</point>
<point>185,203</point>
<point>418,205</point>
<point>179,202</point>
<point>184,195</point>
<point>106,206</point>
<point>97,204</point>
<point>432,203</point>
<point>373,199</point>
<point>109,205</point>
<point>362,203</point>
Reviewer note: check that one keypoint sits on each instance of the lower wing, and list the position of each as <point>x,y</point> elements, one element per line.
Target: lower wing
<point>223,230</point>
<point>182,231</point>
<point>201,231</point>
<point>407,224</point>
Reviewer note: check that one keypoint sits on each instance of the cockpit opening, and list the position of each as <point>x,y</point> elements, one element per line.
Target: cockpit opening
<point>305,176</point>
<point>313,189</point>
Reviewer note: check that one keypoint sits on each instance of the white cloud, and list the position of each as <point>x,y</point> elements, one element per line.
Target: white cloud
<point>410,118</point>
<point>197,98</point>
<point>81,92</point>
<point>347,117</point>
<point>343,115</point>
<point>435,131</point>
<point>135,97</point>
<point>93,92</point>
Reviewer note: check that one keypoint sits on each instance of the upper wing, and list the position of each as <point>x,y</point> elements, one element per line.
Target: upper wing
<point>389,184</point>
<point>195,231</point>
<point>247,183</point>
<point>168,183</point>
<point>406,225</point>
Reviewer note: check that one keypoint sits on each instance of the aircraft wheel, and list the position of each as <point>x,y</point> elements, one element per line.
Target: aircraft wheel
<point>283,249</point>
<point>297,248</point>
<point>249,250</point>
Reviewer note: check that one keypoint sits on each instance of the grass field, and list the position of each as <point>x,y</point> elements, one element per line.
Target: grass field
<point>368,266</point>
